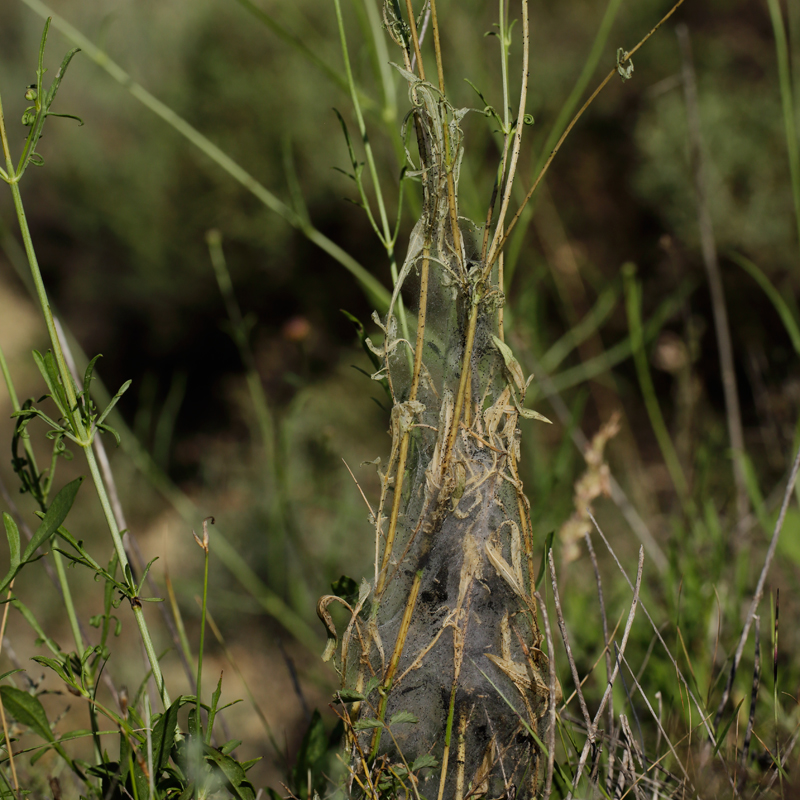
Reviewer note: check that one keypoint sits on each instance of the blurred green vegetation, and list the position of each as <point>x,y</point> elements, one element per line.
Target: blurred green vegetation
<point>120,214</point>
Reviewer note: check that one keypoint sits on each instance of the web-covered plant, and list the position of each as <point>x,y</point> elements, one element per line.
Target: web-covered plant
<point>442,654</point>
<point>446,690</point>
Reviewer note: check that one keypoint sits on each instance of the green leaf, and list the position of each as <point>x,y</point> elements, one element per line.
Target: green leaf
<point>58,666</point>
<point>366,724</point>
<point>402,717</point>
<point>312,749</point>
<point>12,533</point>
<point>27,710</point>
<point>230,746</point>
<point>372,685</point>
<point>113,431</point>
<point>47,366</point>
<point>212,712</point>
<point>55,515</point>
<point>164,735</point>
<point>349,696</point>
<point>775,297</point>
<point>114,400</point>
<point>345,588</point>
<point>548,546</point>
<point>233,773</point>
<point>88,377</point>
<point>724,732</point>
<point>423,761</point>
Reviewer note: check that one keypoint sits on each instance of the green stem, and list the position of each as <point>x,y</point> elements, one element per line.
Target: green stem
<point>386,236</point>
<point>785,79</point>
<point>202,631</point>
<point>57,558</point>
<point>633,303</point>
<point>74,419</point>
<point>69,606</point>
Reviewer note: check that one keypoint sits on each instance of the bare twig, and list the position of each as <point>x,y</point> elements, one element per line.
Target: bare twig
<point>563,628</point>
<point>551,729</point>
<point>709,249</point>
<point>593,557</point>
<point>592,730</point>
<point>678,672</point>
<point>656,718</point>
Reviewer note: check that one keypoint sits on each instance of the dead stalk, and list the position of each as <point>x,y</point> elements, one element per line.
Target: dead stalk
<point>592,726</point>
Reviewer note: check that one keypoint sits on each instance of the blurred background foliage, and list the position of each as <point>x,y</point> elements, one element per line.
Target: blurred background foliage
<point>120,213</point>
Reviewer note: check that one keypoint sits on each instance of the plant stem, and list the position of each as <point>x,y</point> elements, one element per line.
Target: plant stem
<point>633,303</point>
<point>74,419</point>
<point>386,237</point>
<point>785,79</point>
<point>202,630</point>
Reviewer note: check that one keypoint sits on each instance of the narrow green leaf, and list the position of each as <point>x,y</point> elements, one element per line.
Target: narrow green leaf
<point>784,312</point>
<point>350,696</point>
<point>27,710</point>
<point>47,367</point>
<point>114,400</point>
<point>164,735</point>
<point>548,546</point>
<point>233,772</point>
<point>113,431</point>
<point>230,746</point>
<point>12,533</point>
<point>212,712</point>
<point>55,515</point>
<point>366,724</point>
<point>312,749</point>
<point>88,376</point>
<point>724,732</point>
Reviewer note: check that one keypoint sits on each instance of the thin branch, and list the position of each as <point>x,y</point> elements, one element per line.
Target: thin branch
<point>604,618</point>
<point>565,637</point>
<point>551,728</point>
<point>512,167</point>
<point>592,731</point>
<point>697,704</point>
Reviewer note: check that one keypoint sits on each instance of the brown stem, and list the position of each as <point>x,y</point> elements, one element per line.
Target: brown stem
<point>462,385</point>
<point>415,38</point>
<point>386,685</point>
<point>451,187</point>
